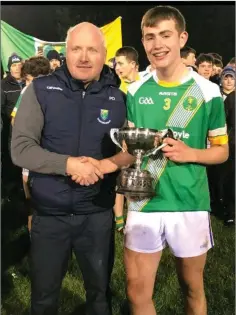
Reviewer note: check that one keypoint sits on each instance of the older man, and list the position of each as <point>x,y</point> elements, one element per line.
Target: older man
<point>61,117</point>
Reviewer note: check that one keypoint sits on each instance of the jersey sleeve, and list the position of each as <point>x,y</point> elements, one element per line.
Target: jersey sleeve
<point>130,109</point>
<point>217,130</point>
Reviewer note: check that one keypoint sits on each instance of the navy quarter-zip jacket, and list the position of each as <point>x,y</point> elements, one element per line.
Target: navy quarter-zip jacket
<point>58,118</point>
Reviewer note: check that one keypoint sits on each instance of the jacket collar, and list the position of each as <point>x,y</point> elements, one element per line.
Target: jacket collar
<point>108,77</point>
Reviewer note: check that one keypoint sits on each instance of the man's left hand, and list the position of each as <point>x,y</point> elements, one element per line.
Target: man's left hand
<point>178,151</point>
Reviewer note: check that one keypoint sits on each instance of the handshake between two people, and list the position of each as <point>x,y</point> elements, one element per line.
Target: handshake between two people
<point>84,170</point>
<point>87,171</point>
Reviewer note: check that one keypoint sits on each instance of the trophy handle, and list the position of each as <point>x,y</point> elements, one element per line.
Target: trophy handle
<point>113,132</point>
<point>155,150</point>
<point>165,134</point>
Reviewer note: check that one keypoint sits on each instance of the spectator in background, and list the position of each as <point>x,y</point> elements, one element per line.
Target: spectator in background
<point>11,87</point>
<point>33,67</point>
<point>232,63</point>
<point>54,59</point>
<point>217,69</point>
<point>188,56</point>
<point>218,175</point>
<point>228,168</point>
<point>126,66</point>
<point>218,66</point>
<point>227,81</point>
<point>204,65</point>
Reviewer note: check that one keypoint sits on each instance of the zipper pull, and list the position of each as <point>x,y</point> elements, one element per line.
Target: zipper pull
<point>83,94</point>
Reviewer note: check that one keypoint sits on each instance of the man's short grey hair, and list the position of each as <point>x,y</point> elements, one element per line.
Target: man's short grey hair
<point>71,29</point>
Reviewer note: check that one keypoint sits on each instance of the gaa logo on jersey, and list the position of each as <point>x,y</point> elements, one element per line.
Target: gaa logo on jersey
<point>190,103</point>
<point>104,115</point>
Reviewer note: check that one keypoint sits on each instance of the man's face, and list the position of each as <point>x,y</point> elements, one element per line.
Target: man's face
<point>15,70</point>
<point>228,82</point>
<point>54,63</point>
<point>124,67</point>
<point>205,69</point>
<point>85,54</point>
<point>162,44</point>
<point>190,60</point>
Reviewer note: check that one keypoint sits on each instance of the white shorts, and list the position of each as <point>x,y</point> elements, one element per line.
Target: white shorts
<point>25,172</point>
<point>188,234</point>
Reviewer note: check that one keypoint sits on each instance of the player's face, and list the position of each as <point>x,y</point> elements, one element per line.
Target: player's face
<point>162,44</point>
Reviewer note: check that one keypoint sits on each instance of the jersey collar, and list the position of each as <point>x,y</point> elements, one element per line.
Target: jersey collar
<point>186,78</point>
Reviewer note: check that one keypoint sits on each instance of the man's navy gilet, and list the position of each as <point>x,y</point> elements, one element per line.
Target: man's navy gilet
<point>77,122</point>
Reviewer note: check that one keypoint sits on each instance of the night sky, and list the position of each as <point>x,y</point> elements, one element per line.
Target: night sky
<point>211,26</point>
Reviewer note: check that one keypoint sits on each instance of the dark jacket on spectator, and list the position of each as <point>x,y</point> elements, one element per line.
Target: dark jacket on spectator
<point>10,91</point>
<point>230,120</point>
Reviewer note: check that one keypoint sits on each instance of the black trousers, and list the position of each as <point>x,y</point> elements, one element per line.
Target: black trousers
<point>228,180</point>
<point>92,238</point>
<point>222,186</point>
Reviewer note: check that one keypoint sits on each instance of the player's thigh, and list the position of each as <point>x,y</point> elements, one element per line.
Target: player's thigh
<point>141,269</point>
<point>144,241</point>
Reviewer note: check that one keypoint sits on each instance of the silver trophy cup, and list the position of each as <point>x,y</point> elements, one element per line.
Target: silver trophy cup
<point>139,142</point>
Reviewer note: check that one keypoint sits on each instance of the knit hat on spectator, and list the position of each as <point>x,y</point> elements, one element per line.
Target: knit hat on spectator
<point>53,54</point>
<point>14,58</point>
<point>228,71</point>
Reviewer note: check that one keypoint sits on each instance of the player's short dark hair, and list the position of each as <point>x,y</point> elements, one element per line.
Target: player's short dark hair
<point>186,50</point>
<point>129,52</point>
<point>161,13</point>
<point>204,58</point>
<point>35,66</point>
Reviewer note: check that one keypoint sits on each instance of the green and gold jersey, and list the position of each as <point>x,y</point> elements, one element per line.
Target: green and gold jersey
<point>194,110</point>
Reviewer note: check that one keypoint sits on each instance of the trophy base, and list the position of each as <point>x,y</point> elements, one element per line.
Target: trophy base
<point>135,184</point>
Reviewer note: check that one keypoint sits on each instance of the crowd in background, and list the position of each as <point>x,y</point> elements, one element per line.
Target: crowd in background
<point>126,65</point>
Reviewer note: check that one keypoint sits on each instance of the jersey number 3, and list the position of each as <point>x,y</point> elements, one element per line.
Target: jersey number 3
<point>167,102</point>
